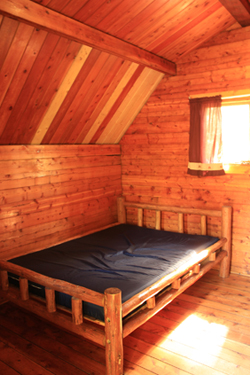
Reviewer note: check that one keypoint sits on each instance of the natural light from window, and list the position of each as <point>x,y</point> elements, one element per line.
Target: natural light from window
<point>236,133</point>
<point>198,339</point>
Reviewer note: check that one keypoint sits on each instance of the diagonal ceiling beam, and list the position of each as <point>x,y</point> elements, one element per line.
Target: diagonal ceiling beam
<point>39,16</point>
<point>240,10</point>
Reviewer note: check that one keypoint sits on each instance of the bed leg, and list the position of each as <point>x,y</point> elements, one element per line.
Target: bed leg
<point>226,232</point>
<point>113,331</point>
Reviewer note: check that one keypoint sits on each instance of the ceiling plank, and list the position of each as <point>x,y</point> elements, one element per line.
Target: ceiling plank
<point>58,99</point>
<point>240,10</point>
<point>115,90</point>
<point>44,18</point>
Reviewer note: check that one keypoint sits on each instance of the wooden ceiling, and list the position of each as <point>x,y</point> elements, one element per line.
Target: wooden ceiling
<point>79,71</point>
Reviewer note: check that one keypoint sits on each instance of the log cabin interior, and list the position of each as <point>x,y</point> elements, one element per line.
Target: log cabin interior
<point>94,105</point>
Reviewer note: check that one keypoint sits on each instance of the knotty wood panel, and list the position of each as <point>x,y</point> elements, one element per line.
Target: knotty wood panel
<point>57,91</point>
<point>155,148</point>
<point>166,28</point>
<point>49,194</point>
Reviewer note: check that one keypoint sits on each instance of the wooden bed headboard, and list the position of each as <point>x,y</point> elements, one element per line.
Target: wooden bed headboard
<point>225,213</point>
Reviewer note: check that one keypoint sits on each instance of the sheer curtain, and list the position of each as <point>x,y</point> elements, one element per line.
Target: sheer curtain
<point>205,141</point>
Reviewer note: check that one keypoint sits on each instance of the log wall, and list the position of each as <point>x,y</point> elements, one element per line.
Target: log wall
<point>49,194</point>
<point>155,148</point>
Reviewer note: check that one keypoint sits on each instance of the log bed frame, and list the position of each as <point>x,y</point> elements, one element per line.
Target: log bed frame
<point>117,324</point>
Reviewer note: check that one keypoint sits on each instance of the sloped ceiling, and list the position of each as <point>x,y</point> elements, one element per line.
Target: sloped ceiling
<point>79,71</point>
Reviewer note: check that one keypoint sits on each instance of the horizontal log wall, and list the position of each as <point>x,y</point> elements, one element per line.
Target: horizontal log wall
<point>155,148</point>
<point>49,194</point>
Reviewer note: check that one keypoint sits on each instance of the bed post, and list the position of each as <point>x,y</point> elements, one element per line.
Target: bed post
<point>121,211</point>
<point>226,231</point>
<point>113,331</point>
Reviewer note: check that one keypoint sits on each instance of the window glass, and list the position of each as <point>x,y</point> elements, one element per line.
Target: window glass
<point>236,133</point>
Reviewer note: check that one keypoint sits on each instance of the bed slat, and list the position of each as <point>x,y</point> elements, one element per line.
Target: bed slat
<point>151,303</point>
<point>176,284</point>
<point>77,315</point>
<point>203,225</point>
<point>121,211</point>
<point>180,223</point>
<point>197,268</point>
<point>50,300</point>
<point>212,257</point>
<point>158,220</point>
<point>4,280</point>
<point>140,217</point>
<point>24,288</point>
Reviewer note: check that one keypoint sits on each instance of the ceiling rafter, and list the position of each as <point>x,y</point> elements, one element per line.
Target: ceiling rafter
<point>239,9</point>
<point>39,16</point>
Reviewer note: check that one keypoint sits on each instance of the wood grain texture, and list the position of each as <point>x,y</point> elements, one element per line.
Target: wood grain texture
<point>114,310</point>
<point>204,330</point>
<point>51,194</point>
<point>155,148</point>
<point>38,16</point>
<point>57,90</point>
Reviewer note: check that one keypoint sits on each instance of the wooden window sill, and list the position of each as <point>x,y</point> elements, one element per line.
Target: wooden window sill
<point>237,168</point>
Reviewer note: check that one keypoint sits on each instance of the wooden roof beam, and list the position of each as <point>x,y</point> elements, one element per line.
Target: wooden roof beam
<point>41,17</point>
<point>240,10</point>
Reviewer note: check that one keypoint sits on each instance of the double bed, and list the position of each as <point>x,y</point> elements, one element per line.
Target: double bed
<point>106,284</point>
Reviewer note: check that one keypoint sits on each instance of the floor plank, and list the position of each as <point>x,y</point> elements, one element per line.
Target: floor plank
<point>206,330</point>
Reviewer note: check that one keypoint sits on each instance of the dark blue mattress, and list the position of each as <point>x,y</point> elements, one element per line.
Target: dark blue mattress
<point>128,257</point>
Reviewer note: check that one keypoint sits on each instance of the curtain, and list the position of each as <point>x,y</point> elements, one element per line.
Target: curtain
<point>205,141</point>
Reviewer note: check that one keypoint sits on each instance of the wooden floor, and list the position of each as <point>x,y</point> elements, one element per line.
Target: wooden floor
<point>204,331</point>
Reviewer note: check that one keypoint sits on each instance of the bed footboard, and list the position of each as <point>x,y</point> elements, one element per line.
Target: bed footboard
<point>47,309</point>
<point>110,336</point>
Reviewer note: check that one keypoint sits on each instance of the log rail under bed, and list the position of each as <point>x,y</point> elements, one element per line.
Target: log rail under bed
<point>120,319</point>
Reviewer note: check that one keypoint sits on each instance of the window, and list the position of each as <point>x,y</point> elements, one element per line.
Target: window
<point>236,130</point>
<point>221,126</point>
<point>205,137</point>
